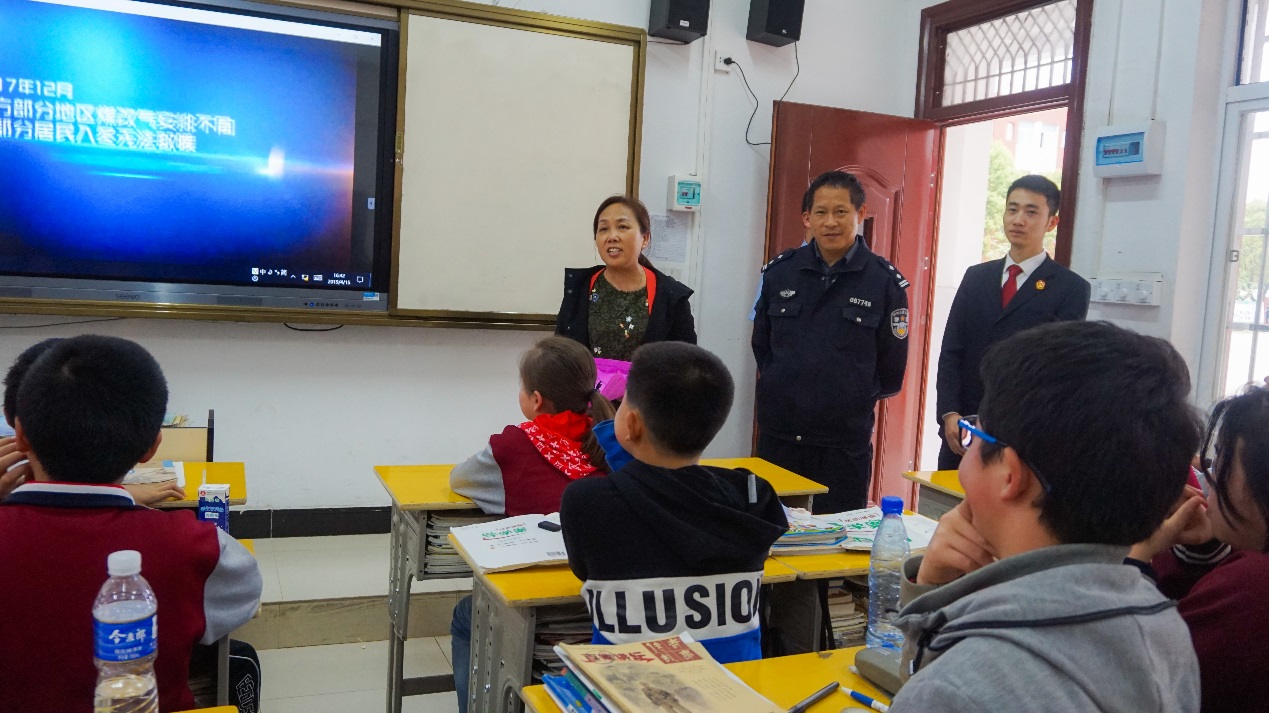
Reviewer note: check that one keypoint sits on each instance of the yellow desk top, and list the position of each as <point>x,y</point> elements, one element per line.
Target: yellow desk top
<point>556,584</point>
<point>196,473</point>
<point>785,482</point>
<point>945,481</point>
<point>217,709</point>
<point>837,564</point>
<point>421,487</point>
<point>784,681</point>
<point>426,487</point>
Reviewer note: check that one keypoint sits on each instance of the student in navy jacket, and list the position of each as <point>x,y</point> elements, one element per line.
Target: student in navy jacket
<point>615,307</point>
<point>988,309</point>
<point>665,545</point>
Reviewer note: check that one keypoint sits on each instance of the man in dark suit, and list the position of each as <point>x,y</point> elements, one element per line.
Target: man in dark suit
<point>1000,298</point>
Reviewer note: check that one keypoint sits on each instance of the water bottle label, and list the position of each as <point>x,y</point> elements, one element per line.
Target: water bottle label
<point>126,642</point>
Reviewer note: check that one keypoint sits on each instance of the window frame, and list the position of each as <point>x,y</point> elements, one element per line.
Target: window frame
<point>938,21</point>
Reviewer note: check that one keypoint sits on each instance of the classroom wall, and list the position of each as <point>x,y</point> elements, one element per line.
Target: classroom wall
<point>310,413</point>
<point>1156,59</point>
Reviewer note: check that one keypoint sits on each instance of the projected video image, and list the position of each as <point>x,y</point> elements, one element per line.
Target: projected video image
<point>153,142</point>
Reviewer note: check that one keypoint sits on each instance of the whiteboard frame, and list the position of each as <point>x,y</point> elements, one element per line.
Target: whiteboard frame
<point>636,38</point>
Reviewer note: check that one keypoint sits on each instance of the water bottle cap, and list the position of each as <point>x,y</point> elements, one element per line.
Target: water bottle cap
<point>892,505</point>
<point>124,563</point>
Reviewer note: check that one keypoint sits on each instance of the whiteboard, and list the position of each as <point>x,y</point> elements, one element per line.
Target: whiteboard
<point>512,138</point>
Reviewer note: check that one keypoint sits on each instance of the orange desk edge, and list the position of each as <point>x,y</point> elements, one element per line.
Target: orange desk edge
<point>221,472</point>
<point>944,481</point>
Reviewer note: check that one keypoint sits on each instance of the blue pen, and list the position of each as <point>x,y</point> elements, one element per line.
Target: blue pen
<point>870,702</point>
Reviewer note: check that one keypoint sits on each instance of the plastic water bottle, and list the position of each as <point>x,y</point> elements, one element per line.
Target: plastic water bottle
<point>125,636</point>
<point>885,572</point>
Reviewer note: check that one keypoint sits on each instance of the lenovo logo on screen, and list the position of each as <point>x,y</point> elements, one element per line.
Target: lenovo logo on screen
<point>128,296</point>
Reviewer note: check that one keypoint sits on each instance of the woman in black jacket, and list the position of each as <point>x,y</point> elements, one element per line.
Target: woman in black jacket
<point>615,307</point>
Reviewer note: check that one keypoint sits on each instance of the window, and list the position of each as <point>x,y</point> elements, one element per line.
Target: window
<point>1252,67</point>
<point>1028,50</point>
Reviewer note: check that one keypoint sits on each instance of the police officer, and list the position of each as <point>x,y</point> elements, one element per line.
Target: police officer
<point>830,335</point>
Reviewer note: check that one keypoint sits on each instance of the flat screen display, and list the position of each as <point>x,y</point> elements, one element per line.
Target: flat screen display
<point>212,145</point>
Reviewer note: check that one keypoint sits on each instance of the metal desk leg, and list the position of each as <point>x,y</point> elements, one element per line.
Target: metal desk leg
<point>796,617</point>
<point>407,528</point>
<point>222,671</point>
<point>501,652</point>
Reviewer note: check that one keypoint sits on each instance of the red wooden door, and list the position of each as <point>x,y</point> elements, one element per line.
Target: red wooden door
<point>896,159</point>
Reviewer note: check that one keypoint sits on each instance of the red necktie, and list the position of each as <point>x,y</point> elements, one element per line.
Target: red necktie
<point>1010,287</point>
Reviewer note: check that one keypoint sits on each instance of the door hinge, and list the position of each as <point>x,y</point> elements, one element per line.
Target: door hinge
<point>1233,256</point>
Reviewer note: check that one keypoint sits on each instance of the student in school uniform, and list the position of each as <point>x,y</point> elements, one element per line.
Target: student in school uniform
<point>524,469</point>
<point>665,545</point>
<point>1022,600</point>
<point>13,467</point>
<point>89,409</point>
<point>615,307</point>
<point>1210,555</point>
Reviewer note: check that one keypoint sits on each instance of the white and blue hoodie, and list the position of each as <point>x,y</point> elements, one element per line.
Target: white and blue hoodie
<point>663,552</point>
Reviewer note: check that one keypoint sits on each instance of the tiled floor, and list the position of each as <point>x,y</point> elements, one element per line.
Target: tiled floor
<point>350,677</point>
<point>306,568</point>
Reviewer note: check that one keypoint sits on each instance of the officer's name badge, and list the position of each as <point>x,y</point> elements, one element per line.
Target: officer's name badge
<point>1039,284</point>
<point>786,294</point>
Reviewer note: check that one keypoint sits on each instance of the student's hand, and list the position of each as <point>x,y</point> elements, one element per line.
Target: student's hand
<point>1187,524</point>
<point>11,473</point>
<point>956,549</point>
<point>952,433</point>
<point>148,494</point>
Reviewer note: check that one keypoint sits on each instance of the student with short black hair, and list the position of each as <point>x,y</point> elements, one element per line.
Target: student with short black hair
<point>665,545</point>
<point>14,470</point>
<point>1212,555</point>
<point>88,410</point>
<point>1022,599</point>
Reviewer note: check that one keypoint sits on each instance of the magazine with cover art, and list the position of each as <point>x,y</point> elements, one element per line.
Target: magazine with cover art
<point>671,675</point>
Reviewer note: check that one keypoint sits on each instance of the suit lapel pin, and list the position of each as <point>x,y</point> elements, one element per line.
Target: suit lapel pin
<point>786,294</point>
<point>1039,284</point>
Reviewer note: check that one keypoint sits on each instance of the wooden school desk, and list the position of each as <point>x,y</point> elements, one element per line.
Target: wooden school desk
<point>232,474</point>
<point>504,620</point>
<point>938,491</point>
<point>784,681</point>
<point>797,609</point>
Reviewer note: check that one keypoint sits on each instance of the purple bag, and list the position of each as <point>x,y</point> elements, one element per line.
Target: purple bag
<point>610,377</point>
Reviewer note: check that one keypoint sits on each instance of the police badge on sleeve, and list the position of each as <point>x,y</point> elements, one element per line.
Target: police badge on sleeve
<point>899,323</point>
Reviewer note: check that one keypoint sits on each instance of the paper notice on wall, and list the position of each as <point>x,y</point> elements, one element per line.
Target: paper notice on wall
<point>669,237</point>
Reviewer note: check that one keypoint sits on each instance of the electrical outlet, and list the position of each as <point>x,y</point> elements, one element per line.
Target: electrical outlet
<point>719,65</point>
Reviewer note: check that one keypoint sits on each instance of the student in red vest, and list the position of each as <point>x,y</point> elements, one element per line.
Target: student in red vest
<point>524,469</point>
<point>1211,556</point>
<point>88,410</point>
<point>14,469</point>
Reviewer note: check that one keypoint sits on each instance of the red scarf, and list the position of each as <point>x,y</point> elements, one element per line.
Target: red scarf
<point>558,438</point>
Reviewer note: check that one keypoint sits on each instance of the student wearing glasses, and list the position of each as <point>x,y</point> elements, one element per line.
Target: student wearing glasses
<point>1022,601</point>
<point>1210,555</point>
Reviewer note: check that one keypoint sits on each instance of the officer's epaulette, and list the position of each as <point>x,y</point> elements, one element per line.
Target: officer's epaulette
<point>898,276</point>
<point>778,258</point>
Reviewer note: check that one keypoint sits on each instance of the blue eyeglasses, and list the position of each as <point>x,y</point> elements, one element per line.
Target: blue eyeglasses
<point>970,431</point>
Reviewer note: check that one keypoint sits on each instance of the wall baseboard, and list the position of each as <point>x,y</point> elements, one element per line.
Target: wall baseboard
<point>309,522</point>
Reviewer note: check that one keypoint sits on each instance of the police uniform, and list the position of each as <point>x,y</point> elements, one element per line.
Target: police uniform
<point>829,341</point>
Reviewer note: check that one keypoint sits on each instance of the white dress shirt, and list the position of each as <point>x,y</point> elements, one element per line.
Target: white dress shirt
<point>1028,266</point>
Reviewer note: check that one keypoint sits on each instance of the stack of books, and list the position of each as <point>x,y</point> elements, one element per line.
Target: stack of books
<point>666,675</point>
<point>848,613</point>
<point>442,559</point>
<point>558,625</point>
<point>845,531</point>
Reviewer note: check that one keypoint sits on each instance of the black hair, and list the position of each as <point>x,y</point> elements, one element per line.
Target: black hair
<point>1102,414</point>
<point>563,372</point>
<point>834,179</point>
<point>683,393</point>
<point>13,379</point>
<point>1238,426</point>
<point>91,406</point>
<point>1038,184</point>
